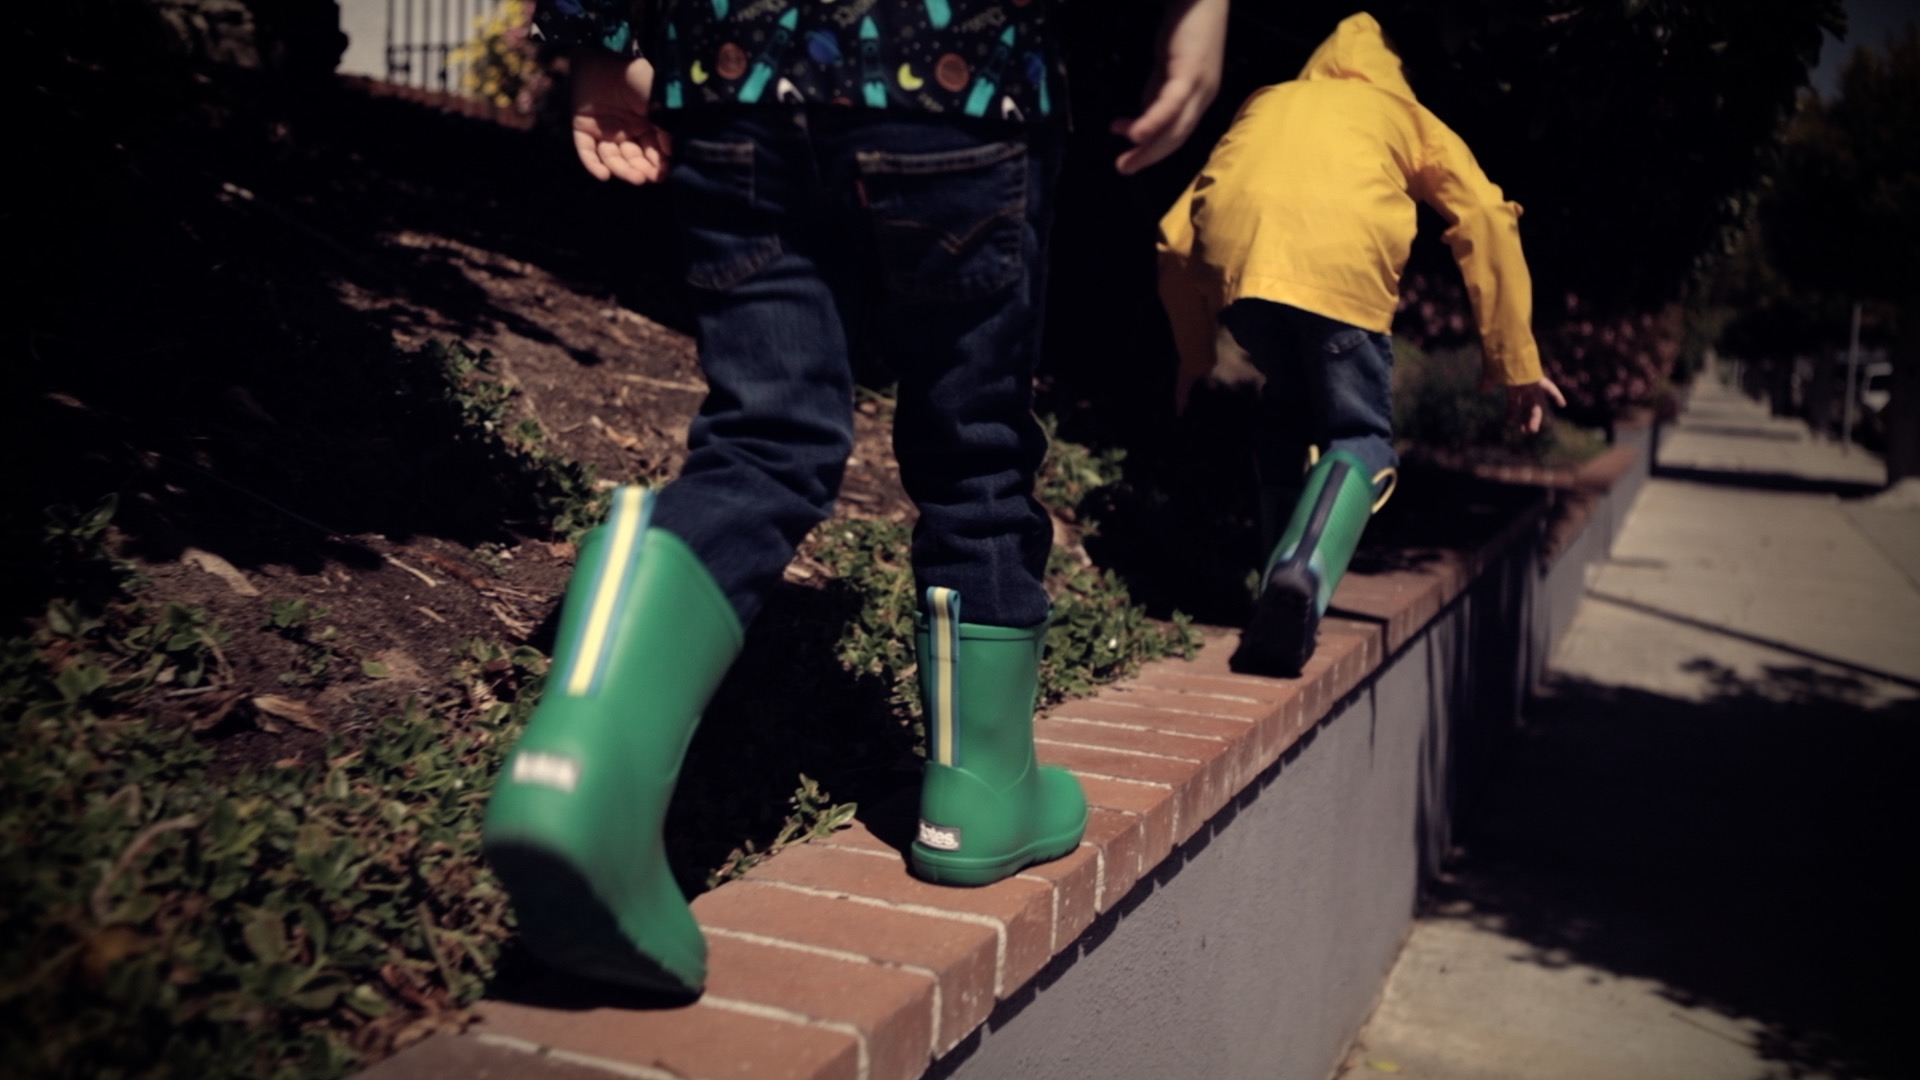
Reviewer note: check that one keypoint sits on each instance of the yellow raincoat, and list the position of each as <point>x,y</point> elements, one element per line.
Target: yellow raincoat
<point>1308,201</point>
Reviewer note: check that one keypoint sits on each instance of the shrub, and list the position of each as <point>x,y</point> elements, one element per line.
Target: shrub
<point>1439,405</point>
<point>502,61</point>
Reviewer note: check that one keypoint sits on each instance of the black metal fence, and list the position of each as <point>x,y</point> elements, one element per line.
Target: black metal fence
<point>422,36</point>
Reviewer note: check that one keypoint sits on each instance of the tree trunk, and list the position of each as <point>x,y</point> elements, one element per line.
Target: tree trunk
<point>1903,404</point>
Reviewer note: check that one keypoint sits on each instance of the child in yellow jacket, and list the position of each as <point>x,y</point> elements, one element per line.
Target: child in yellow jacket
<point>1293,239</point>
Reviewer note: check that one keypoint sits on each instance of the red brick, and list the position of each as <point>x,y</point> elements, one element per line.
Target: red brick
<point>1344,659</point>
<point>1154,806</point>
<point>1276,734</point>
<point>1119,765</point>
<point>1212,658</point>
<point>959,956</point>
<point>892,1009</point>
<point>1230,764</point>
<point>1144,696</point>
<point>1075,881</point>
<point>1121,839</point>
<point>1021,911</point>
<point>1175,675</point>
<point>1105,711</point>
<point>1404,601</point>
<point>1133,738</point>
<point>699,1040</point>
<point>1604,471</point>
<point>467,1057</point>
<point>857,837</point>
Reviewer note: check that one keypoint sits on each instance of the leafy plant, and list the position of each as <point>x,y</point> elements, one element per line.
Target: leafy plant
<point>166,917</point>
<point>814,815</point>
<point>295,621</point>
<point>1073,472</point>
<point>565,494</point>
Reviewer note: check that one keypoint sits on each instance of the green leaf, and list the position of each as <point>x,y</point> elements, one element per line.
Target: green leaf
<point>319,993</point>
<point>368,1001</point>
<point>374,669</point>
<point>266,936</point>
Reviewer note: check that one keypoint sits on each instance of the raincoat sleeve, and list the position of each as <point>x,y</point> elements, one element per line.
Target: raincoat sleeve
<point>1186,299</point>
<point>1484,234</point>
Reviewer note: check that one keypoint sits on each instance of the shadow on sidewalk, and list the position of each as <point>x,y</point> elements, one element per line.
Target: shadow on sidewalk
<point>1752,852</point>
<point>1766,481</point>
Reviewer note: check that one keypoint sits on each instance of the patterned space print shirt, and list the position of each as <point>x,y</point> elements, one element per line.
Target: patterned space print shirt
<point>997,59</point>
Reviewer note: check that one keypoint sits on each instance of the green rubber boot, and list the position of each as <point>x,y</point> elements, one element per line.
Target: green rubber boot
<point>574,826</point>
<point>1305,566</point>
<point>988,807</point>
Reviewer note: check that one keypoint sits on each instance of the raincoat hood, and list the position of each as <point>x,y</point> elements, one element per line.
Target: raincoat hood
<point>1358,50</point>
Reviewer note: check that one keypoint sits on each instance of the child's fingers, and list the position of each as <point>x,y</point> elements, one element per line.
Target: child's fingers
<point>643,161</point>
<point>588,148</point>
<point>1152,131</point>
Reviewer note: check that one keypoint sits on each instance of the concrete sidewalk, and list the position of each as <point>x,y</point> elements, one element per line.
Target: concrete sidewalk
<point>1695,862</point>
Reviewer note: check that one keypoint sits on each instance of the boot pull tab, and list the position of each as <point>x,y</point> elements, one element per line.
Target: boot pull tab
<point>943,635</point>
<point>1392,476</point>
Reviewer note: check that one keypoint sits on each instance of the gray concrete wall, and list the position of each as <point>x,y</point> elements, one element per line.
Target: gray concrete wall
<point>1561,583</point>
<point>1259,948</point>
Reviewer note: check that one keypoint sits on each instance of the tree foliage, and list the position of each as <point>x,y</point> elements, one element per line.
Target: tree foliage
<point>1635,132</point>
<point>1844,213</point>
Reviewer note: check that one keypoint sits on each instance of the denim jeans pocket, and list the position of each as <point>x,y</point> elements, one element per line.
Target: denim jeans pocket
<point>952,224</point>
<point>1345,340</point>
<point>728,239</point>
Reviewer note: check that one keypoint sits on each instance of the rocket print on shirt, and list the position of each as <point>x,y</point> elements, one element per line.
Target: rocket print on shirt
<point>993,59</point>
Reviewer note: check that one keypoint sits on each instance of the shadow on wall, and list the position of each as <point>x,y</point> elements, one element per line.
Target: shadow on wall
<point>1746,852</point>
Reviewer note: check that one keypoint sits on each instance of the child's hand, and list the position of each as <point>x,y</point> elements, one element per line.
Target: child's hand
<point>1193,42</point>
<point>612,132</point>
<point>1526,403</point>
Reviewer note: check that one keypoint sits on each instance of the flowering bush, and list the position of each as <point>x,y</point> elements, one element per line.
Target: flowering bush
<point>1608,363</point>
<point>502,61</point>
<point>1603,362</point>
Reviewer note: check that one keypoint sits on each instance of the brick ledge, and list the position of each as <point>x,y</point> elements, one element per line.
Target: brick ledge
<point>831,962</point>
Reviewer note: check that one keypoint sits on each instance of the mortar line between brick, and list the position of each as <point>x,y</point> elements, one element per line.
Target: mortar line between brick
<point>1054,890</point>
<point>618,1068</point>
<point>1161,784</point>
<point>999,928</point>
<point>788,1016</point>
<point>1117,750</point>
<point>1174,809</point>
<point>869,852</point>
<point>1184,667</point>
<point>1119,704</point>
<point>838,954</point>
<point>1212,695</point>
<point>1134,727</point>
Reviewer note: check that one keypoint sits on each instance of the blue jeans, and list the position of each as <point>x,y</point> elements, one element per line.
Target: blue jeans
<point>813,233</point>
<point>1329,384</point>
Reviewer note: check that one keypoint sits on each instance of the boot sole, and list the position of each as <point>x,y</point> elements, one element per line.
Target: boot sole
<point>1280,638</point>
<point>566,926</point>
